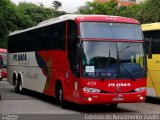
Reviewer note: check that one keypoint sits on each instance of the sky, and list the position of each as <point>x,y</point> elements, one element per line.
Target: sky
<point>69,6</point>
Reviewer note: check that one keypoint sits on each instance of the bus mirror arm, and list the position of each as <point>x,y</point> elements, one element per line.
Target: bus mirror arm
<point>78,57</point>
<point>149,47</point>
<point>79,50</point>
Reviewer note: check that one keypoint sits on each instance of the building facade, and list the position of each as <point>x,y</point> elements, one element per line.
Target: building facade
<point>121,2</point>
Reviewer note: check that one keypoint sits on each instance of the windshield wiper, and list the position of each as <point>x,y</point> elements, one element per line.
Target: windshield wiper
<point>130,74</point>
<point>118,61</point>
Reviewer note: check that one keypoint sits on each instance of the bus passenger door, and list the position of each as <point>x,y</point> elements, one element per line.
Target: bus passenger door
<point>153,81</point>
<point>73,60</point>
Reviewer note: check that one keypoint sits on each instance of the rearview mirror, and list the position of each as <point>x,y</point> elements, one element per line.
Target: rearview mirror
<point>149,47</point>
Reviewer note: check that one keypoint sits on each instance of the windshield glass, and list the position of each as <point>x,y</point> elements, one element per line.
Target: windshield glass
<point>113,60</point>
<point>111,30</point>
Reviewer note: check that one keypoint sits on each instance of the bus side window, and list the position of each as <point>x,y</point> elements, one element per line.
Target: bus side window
<point>152,39</point>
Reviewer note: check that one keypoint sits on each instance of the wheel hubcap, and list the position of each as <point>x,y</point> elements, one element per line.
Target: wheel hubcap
<point>20,86</point>
<point>60,95</point>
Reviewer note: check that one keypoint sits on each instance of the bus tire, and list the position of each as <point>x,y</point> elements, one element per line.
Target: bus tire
<point>18,87</point>
<point>60,97</point>
<point>14,79</point>
<point>113,106</point>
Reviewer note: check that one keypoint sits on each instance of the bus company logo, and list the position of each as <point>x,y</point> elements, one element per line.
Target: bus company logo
<point>20,57</point>
<point>119,84</point>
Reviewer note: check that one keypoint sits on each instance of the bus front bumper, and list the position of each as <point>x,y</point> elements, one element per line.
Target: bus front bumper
<point>105,98</point>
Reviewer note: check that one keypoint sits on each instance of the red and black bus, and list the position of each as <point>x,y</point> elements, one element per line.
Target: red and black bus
<point>85,59</point>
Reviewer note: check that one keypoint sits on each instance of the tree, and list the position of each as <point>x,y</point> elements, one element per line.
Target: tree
<point>151,11</point>
<point>132,12</point>
<point>36,13</point>
<point>19,17</point>
<point>108,8</point>
<point>9,16</point>
<point>56,4</point>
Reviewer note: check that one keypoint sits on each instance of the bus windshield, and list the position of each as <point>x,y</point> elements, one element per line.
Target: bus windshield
<point>111,30</point>
<point>113,60</point>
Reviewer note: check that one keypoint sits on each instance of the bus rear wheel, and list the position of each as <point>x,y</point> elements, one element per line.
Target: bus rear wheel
<point>60,97</point>
<point>18,87</point>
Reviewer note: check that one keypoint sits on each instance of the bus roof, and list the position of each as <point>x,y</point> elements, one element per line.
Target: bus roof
<point>79,18</point>
<point>151,26</point>
<point>3,50</point>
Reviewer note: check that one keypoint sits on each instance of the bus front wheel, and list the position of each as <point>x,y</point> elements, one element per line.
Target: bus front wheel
<point>60,97</point>
<point>113,106</point>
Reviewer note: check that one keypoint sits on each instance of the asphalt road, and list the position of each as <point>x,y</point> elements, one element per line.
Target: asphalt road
<point>33,105</point>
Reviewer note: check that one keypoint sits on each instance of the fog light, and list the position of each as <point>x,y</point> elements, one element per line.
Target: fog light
<point>89,99</point>
<point>91,90</point>
<point>141,89</point>
<point>141,98</point>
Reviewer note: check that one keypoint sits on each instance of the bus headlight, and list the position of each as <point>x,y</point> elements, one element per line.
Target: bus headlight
<point>141,89</point>
<point>91,90</point>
